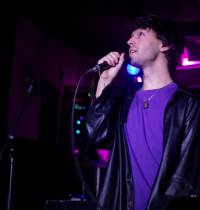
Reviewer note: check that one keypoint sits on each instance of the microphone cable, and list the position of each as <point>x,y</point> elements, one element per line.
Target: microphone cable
<point>73,146</point>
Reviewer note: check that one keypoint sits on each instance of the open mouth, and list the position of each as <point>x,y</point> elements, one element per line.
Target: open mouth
<point>132,51</point>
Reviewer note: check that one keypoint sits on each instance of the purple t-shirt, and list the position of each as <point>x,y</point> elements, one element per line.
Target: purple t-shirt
<point>144,130</point>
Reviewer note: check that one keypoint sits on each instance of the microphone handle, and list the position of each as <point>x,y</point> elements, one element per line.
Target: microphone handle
<point>100,67</point>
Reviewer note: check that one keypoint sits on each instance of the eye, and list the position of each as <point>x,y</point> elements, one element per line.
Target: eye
<point>141,33</point>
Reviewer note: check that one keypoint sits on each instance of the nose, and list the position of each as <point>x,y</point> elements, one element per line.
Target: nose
<point>131,42</point>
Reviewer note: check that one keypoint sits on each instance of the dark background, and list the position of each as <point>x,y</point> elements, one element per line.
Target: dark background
<point>50,45</point>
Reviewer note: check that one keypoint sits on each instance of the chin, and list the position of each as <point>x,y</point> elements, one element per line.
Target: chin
<point>134,63</point>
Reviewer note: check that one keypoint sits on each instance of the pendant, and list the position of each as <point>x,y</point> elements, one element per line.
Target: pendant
<point>146,104</point>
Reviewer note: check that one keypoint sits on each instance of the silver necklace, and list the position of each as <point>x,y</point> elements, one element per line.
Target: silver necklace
<point>146,101</point>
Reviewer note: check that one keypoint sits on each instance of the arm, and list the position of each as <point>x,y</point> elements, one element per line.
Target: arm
<point>102,112</point>
<point>180,177</point>
<point>188,170</point>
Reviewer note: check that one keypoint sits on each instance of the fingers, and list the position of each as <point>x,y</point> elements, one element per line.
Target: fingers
<point>121,59</point>
<point>112,58</point>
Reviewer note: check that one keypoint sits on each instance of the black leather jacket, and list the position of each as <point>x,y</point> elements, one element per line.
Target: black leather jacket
<point>179,171</point>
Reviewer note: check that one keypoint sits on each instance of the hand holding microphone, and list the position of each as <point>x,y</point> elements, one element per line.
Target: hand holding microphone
<point>114,61</point>
<point>110,65</point>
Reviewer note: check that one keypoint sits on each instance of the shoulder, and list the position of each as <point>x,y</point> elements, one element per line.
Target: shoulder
<point>188,92</point>
<point>184,105</point>
<point>191,96</point>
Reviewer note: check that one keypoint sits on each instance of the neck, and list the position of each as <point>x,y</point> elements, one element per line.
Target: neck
<point>155,77</point>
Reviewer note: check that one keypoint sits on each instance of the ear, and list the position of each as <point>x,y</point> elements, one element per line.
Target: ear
<point>164,48</point>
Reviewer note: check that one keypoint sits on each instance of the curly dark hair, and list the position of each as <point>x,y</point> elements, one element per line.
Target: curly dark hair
<point>168,31</point>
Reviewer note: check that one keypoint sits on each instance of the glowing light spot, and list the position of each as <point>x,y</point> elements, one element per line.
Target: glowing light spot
<point>133,70</point>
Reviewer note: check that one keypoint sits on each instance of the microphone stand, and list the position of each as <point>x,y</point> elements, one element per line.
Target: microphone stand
<point>10,139</point>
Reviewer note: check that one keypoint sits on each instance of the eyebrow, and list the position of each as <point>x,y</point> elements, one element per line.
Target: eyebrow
<point>137,30</point>
<point>141,29</point>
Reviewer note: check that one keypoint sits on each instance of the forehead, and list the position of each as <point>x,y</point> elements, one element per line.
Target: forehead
<point>148,30</point>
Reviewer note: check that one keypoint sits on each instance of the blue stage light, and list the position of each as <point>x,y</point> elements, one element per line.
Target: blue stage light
<point>133,70</point>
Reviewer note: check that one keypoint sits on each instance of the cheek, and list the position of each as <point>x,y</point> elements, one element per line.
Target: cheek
<point>149,51</point>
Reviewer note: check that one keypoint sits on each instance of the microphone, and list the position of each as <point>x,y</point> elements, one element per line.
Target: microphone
<point>100,67</point>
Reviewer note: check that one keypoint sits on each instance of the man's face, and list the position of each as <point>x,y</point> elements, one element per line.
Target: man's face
<point>144,47</point>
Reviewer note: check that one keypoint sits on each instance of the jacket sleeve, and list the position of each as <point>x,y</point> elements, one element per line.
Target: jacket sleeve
<point>101,118</point>
<point>185,183</point>
<point>188,170</point>
<point>179,182</point>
